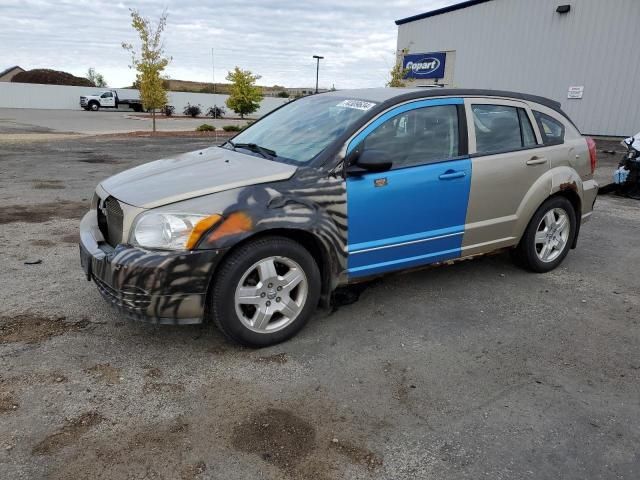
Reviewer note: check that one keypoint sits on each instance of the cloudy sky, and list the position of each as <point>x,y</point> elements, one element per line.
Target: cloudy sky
<point>275,39</point>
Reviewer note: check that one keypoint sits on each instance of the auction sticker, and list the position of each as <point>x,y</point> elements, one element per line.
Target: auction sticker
<point>357,104</point>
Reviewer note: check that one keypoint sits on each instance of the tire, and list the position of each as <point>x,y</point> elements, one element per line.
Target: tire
<point>94,106</point>
<point>548,237</point>
<point>270,308</point>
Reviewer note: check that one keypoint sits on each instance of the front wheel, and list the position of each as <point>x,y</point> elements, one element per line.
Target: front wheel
<point>94,106</point>
<point>265,291</point>
<point>549,236</point>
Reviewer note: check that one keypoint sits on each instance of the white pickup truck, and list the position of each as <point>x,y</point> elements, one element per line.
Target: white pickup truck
<point>108,99</point>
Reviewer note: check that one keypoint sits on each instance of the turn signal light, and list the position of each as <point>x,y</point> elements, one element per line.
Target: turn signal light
<point>200,228</point>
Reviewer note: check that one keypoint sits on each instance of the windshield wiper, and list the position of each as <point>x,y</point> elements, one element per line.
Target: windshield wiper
<point>265,152</point>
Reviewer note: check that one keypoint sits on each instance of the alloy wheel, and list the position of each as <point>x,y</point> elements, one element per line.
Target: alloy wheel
<point>271,294</point>
<point>552,235</point>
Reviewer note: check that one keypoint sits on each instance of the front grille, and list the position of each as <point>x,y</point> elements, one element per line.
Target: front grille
<point>110,221</point>
<point>131,298</point>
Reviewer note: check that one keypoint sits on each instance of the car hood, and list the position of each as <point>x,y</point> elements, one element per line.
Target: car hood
<point>191,175</point>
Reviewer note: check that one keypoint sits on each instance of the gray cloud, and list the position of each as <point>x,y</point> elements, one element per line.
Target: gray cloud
<point>275,39</point>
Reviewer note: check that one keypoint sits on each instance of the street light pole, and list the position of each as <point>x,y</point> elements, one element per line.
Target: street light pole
<point>213,79</point>
<point>318,58</point>
<point>213,71</point>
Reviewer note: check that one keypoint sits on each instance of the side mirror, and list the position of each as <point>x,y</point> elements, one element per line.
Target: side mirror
<point>370,161</point>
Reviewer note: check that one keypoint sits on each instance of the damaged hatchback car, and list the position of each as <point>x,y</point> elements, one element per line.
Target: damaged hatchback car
<point>332,189</point>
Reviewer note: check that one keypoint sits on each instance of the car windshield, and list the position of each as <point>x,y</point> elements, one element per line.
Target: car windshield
<point>299,131</point>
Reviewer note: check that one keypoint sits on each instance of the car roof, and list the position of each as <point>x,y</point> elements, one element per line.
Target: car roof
<point>384,94</point>
<point>395,95</point>
<point>373,94</point>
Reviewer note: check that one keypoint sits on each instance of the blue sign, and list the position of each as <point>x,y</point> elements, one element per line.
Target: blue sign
<point>424,65</point>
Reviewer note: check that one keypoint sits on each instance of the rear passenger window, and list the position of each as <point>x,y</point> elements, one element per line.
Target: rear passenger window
<point>551,129</point>
<point>500,128</point>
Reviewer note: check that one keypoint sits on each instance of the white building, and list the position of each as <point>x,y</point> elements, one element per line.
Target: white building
<point>583,53</point>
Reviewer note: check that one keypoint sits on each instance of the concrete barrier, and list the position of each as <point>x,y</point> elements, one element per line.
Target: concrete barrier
<point>62,97</point>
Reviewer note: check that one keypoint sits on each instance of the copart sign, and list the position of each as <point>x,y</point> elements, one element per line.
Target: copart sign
<point>424,65</point>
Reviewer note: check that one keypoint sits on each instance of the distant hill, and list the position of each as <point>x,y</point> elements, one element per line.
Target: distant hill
<point>198,87</point>
<point>223,88</point>
<point>51,77</point>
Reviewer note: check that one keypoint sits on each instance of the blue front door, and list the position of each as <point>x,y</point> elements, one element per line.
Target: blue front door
<point>413,214</point>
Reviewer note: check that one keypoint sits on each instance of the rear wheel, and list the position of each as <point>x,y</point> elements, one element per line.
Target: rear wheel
<point>548,237</point>
<point>265,292</point>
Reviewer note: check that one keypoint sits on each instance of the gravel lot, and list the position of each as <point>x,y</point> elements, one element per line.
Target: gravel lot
<point>477,370</point>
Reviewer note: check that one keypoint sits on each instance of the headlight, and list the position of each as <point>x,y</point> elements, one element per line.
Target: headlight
<point>174,231</point>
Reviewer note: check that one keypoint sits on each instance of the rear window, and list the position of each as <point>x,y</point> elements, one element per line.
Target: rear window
<point>501,128</point>
<point>551,129</point>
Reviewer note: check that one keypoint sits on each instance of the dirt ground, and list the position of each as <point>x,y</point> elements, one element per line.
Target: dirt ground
<point>473,371</point>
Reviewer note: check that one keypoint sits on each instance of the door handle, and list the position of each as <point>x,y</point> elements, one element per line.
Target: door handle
<point>535,160</point>
<point>450,175</point>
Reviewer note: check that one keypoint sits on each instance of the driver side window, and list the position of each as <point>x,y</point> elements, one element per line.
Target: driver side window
<point>416,137</point>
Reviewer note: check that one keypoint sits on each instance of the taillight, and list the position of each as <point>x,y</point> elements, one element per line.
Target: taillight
<point>591,143</point>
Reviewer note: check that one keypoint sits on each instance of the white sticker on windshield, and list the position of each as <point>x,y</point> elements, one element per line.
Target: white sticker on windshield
<point>357,104</point>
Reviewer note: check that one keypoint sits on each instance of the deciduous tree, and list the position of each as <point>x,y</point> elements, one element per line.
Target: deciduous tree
<point>245,96</point>
<point>149,61</point>
<point>398,73</point>
<point>95,77</point>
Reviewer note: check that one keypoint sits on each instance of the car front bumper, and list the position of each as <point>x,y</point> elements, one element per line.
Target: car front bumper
<point>164,287</point>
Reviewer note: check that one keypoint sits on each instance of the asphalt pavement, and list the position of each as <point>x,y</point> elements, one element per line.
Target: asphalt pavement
<point>29,121</point>
<point>478,370</point>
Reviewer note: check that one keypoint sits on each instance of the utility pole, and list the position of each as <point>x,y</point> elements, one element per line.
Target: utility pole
<point>213,78</point>
<point>318,58</point>
<point>213,71</point>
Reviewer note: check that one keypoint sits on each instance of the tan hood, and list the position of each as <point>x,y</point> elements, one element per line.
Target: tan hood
<point>192,175</point>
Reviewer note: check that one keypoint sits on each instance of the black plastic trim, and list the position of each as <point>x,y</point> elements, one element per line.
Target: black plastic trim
<point>463,134</point>
<point>433,162</point>
<point>511,150</point>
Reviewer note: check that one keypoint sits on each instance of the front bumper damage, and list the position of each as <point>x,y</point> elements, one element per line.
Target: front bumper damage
<point>163,287</point>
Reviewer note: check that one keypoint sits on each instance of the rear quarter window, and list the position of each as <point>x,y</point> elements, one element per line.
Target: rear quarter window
<point>552,130</point>
<point>501,128</point>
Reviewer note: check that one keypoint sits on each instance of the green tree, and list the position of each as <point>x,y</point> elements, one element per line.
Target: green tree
<point>245,96</point>
<point>398,73</point>
<point>95,77</point>
<point>149,61</point>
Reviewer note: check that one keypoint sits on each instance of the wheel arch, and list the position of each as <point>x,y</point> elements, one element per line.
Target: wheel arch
<point>570,194</point>
<point>308,240</point>
<point>560,181</point>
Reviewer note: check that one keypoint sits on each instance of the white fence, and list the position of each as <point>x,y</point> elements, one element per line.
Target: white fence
<point>61,97</point>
